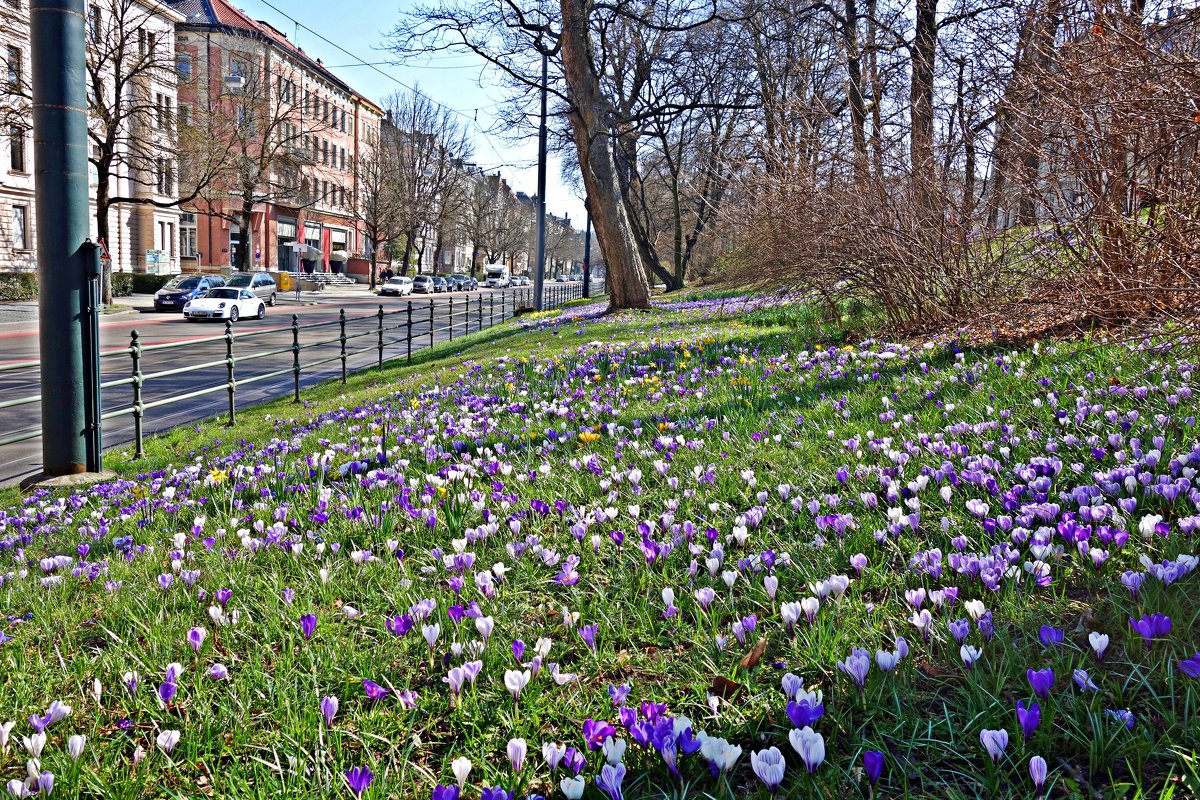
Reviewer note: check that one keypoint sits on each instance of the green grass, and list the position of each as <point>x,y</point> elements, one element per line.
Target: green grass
<point>710,412</point>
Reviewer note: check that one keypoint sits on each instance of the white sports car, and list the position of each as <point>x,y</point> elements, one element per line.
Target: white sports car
<point>225,303</point>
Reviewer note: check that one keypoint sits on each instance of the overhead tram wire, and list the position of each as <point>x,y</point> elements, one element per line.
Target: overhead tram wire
<point>473,116</point>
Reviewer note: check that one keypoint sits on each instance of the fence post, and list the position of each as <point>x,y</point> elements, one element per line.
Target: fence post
<point>452,319</point>
<point>491,309</point>
<point>135,355</point>
<point>342,324</point>
<point>431,322</point>
<point>229,369</point>
<point>381,335</point>
<point>408,338</point>
<point>296,357</point>
<point>479,316</point>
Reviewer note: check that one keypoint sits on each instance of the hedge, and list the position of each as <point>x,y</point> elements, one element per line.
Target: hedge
<point>122,284</point>
<point>18,285</point>
<point>145,283</point>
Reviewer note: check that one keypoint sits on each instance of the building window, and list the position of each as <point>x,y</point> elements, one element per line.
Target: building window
<point>94,14</point>
<point>20,227</point>
<point>164,178</point>
<point>16,148</point>
<point>14,61</point>
<point>343,159</point>
<point>185,115</point>
<point>187,235</point>
<point>146,43</point>
<point>183,65</point>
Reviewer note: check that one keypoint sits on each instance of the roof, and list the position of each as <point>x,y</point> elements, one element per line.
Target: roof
<point>220,14</point>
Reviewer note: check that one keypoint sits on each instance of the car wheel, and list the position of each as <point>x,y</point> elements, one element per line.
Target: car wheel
<point>233,314</point>
<point>262,311</point>
<point>271,302</point>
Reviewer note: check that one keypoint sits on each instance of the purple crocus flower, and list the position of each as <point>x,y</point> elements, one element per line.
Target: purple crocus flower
<point>1041,681</point>
<point>873,764</point>
<point>329,707</point>
<point>588,634</point>
<point>223,596</point>
<point>1049,636</point>
<point>804,713</point>
<point>518,649</point>
<point>374,690</point>
<point>196,637</point>
<point>308,625</point>
<point>1151,626</point>
<point>399,625</point>
<point>595,731</point>
<point>1191,666</point>
<point>610,780</point>
<point>496,793</point>
<point>167,690</point>
<point>618,694</point>
<point>450,792</point>
<point>289,595</point>
<point>856,666</point>
<point>358,778</point>
<point>1029,718</point>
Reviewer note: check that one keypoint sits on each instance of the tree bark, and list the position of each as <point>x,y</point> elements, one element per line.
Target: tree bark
<point>924,51</point>
<point>591,117</point>
<point>246,245</point>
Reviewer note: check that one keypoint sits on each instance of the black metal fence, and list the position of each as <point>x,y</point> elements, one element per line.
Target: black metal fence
<point>387,334</point>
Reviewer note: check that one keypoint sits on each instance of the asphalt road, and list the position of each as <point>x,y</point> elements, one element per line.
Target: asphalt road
<point>199,360</point>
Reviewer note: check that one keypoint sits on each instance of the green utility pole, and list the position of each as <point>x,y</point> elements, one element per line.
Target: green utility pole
<point>70,392</point>
<point>539,274</point>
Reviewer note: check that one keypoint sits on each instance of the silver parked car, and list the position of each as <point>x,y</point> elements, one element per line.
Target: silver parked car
<point>260,284</point>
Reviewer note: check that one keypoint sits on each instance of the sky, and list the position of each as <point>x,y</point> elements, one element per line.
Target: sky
<point>459,81</point>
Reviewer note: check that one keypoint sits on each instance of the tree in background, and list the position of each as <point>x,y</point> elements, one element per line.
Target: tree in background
<point>431,147</point>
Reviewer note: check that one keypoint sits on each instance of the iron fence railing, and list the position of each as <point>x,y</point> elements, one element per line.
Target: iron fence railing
<point>378,332</point>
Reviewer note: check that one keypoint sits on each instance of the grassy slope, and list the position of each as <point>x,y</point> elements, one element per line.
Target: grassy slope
<point>740,397</point>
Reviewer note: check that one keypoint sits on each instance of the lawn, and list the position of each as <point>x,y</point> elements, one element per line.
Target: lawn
<point>710,551</point>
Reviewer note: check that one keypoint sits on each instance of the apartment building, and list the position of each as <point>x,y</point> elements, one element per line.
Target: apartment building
<point>304,210</point>
<point>142,236</point>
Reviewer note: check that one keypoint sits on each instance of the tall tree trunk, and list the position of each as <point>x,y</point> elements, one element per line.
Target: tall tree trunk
<point>924,51</point>
<point>854,81</point>
<point>876,90</point>
<point>102,208</point>
<point>246,245</point>
<point>590,118</point>
<point>408,244</point>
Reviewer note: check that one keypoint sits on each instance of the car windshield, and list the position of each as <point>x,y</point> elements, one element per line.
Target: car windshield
<point>223,294</point>
<point>240,280</point>
<point>180,282</point>
<point>396,281</point>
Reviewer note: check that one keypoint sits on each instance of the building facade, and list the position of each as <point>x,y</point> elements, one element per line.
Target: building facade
<point>143,236</point>
<point>304,212</point>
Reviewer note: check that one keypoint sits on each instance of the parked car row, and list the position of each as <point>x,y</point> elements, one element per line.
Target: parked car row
<point>245,294</point>
<point>401,286</point>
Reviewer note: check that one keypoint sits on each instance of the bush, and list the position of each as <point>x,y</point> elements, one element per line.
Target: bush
<point>122,284</point>
<point>18,286</point>
<point>149,284</point>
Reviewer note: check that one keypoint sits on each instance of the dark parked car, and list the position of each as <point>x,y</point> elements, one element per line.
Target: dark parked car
<point>423,284</point>
<point>182,288</point>
<point>440,285</point>
<point>260,283</point>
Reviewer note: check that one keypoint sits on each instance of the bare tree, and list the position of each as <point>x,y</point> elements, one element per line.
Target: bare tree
<point>430,146</point>
<point>269,144</point>
<point>378,205</point>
